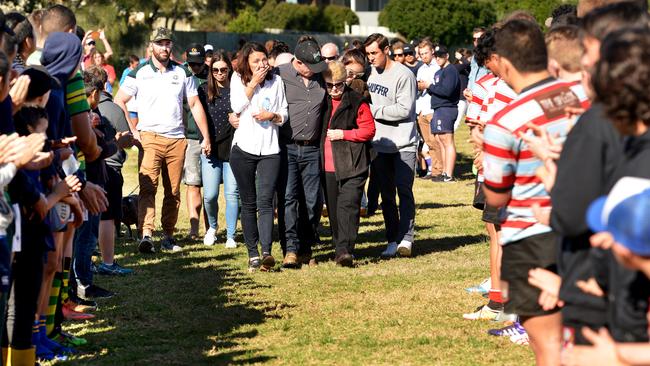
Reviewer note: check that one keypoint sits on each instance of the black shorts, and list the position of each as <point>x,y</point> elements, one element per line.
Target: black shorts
<point>538,251</point>
<point>114,183</point>
<point>491,214</point>
<point>443,120</point>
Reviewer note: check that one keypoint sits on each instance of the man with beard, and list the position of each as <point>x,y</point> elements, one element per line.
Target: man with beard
<point>160,85</point>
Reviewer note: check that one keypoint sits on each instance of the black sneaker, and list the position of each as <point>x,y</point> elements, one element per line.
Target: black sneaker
<point>169,244</point>
<point>447,179</point>
<point>146,245</point>
<point>94,292</point>
<point>439,178</point>
<point>345,260</point>
<point>254,264</point>
<point>88,303</point>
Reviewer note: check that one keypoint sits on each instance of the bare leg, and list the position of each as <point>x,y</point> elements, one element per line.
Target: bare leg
<point>194,207</point>
<point>54,263</point>
<point>545,334</point>
<point>495,256</point>
<point>449,152</point>
<point>107,240</point>
<point>443,152</point>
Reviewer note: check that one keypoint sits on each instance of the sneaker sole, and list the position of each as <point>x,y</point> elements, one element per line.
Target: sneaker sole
<point>404,251</point>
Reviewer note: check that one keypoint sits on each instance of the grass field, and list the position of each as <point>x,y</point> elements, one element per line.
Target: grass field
<point>201,307</point>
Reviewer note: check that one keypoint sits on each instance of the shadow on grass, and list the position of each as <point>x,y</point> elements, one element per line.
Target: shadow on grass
<point>434,205</point>
<point>183,310</point>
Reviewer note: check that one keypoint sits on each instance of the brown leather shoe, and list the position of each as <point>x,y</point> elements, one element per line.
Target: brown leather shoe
<point>268,262</point>
<point>290,260</point>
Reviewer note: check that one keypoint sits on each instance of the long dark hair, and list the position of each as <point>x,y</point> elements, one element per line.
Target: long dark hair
<point>243,69</point>
<point>213,87</point>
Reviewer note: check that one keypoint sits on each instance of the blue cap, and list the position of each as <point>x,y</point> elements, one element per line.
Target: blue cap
<point>625,213</point>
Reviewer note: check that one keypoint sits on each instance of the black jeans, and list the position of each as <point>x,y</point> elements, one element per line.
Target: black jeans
<point>343,203</point>
<point>302,198</point>
<point>256,197</point>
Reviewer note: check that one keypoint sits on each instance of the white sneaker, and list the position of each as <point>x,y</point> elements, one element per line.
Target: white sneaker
<point>390,251</point>
<point>231,244</point>
<point>210,237</point>
<point>404,248</point>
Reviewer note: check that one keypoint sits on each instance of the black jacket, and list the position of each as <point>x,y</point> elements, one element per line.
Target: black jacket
<point>630,290</point>
<point>221,132</point>
<point>351,159</point>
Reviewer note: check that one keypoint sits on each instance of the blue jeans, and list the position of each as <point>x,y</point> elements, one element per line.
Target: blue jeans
<point>85,242</point>
<point>213,172</point>
<point>303,181</point>
<point>395,174</point>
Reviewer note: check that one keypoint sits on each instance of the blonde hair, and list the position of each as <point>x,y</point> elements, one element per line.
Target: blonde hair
<point>335,70</point>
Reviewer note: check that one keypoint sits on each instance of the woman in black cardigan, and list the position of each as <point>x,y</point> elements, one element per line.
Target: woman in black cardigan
<point>215,95</point>
<point>348,129</point>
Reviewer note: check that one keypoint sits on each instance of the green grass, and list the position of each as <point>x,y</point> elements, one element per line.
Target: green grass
<point>201,307</point>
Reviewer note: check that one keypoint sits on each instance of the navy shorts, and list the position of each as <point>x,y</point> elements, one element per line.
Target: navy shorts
<point>443,120</point>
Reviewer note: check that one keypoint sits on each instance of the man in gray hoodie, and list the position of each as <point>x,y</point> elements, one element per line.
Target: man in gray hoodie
<point>392,88</point>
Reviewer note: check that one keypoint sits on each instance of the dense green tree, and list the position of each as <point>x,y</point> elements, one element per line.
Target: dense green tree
<point>447,21</point>
<point>246,22</point>
<point>540,9</point>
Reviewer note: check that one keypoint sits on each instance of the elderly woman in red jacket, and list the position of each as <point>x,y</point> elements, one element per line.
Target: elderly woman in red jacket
<point>346,152</point>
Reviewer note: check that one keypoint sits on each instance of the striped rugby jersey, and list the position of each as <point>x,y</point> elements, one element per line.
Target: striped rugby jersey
<point>499,96</point>
<point>508,163</point>
<point>479,96</point>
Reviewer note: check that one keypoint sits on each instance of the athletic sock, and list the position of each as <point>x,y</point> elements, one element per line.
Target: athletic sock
<point>67,263</point>
<point>496,301</point>
<point>55,291</point>
<point>52,345</point>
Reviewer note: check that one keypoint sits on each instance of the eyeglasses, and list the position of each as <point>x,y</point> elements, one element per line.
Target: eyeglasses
<point>338,85</point>
<point>217,70</point>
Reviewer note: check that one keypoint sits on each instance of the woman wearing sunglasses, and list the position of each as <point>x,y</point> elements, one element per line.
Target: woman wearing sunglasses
<point>215,168</point>
<point>348,129</point>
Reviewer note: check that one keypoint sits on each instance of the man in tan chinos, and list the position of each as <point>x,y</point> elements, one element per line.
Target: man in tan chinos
<point>160,86</point>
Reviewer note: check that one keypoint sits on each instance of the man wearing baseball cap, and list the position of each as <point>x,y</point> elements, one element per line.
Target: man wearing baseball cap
<point>195,57</point>
<point>160,85</point>
<point>300,152</point>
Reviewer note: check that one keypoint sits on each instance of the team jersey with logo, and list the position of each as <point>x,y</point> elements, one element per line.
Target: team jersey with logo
<point>508,163</point>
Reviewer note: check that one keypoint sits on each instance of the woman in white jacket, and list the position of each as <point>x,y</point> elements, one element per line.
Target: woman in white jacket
<point>257,96</point>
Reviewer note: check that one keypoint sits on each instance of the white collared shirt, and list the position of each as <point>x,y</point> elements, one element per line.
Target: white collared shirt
<point>426,72</point>
<point>252,136</point>
<point>160,97</point>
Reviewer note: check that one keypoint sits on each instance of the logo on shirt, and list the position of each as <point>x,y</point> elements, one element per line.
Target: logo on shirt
<point>554,102</point>
<point>377,89</point>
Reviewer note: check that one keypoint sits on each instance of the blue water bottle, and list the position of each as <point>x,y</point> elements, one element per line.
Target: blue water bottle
<point>266,105</point>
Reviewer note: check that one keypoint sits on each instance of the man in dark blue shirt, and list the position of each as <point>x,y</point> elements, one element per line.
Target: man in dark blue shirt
<point>445,93</point>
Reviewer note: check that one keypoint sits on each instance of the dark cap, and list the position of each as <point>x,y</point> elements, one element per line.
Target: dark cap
<point>308,53</point>
<point>440,51</point>
<point>407,49</point>
<point>40,81</point>
<point>160,34</point>
<point>195,53</point>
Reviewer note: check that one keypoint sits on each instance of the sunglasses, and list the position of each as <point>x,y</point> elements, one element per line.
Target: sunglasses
<point>91,43</point>
<point>222,70</point>
<point>409,53</point>
<point>356,75</point>
<point>398,54</point>
<point>331,58</point>
<point>338,85</point>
